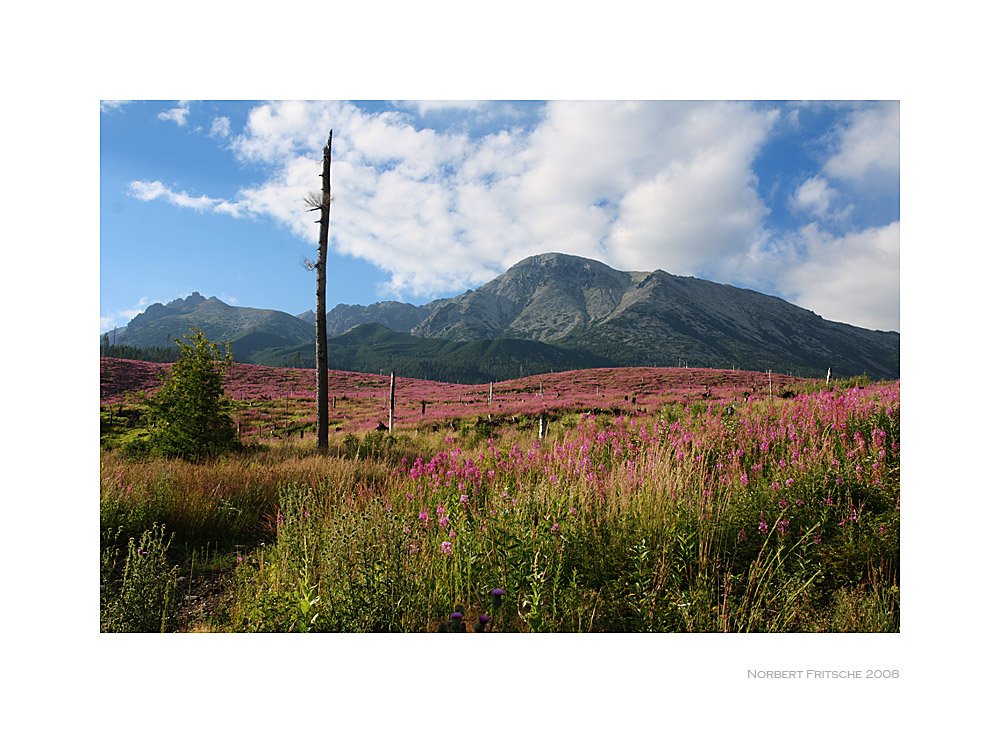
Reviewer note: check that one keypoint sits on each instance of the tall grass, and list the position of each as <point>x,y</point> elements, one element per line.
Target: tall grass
<point>766,516</point>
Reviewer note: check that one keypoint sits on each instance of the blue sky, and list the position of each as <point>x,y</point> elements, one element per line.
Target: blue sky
<point>800,200</point>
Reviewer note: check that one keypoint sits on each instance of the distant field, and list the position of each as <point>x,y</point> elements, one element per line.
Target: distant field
<point>274,398</point>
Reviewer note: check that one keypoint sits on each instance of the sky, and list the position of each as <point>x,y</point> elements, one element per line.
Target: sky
<point>795,199</point>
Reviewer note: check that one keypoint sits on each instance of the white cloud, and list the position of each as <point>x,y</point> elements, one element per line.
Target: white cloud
<point>121,318</point>
<point>113,105</point>
<point>868,144</point>
<point>815,197</point>
<point>425,106</point>
<point>220,127</point>
<point>152,190</point>
<point>638,185</point>
<point>852,278</point>
<point>177,114</point>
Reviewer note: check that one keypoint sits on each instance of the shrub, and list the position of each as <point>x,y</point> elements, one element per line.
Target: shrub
<point>190,416</point>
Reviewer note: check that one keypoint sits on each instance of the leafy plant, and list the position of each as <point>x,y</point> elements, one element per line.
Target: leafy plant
<point>190,416</point>
<point>143,596</point>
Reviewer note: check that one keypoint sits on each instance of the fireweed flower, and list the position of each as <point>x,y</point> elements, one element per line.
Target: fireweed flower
<point>446,548</point>
<point>762,527</point>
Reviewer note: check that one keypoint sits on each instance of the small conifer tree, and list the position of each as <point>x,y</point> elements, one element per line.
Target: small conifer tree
<point>191,416</point>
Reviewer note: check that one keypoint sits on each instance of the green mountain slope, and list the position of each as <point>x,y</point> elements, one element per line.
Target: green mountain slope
<point>374,348</point>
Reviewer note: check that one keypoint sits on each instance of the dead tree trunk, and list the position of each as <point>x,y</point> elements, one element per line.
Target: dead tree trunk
<point>392,398</point>
<point>322,362</point>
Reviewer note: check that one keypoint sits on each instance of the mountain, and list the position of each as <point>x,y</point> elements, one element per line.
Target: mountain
<point>654,318</point>
<point>249,330</point>
<point>591,314</point>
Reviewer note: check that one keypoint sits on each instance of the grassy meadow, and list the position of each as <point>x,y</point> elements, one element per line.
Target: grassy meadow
<point>656,499</point>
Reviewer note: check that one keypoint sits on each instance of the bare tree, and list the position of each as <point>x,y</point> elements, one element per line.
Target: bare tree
<point>321,203</point>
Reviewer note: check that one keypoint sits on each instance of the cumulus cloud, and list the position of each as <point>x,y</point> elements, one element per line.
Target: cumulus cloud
<point>816,198</point>
<point>853,278</point>
<point>639,185</point>
<point>176,114</point>
<point>868,144</point>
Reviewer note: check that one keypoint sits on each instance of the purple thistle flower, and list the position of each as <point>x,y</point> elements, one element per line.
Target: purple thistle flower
<point>497,594</point>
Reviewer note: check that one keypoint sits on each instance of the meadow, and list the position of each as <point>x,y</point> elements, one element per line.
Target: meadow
<point>633,499</point>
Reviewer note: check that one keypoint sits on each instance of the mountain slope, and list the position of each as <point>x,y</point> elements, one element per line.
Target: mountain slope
<point>595,314</point>
<point>248,329</point>
<point>641,318</point>
<point>373,348</point>
<point>542,298</point>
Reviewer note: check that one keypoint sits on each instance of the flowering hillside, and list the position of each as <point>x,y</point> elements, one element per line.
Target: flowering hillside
<point>270,398</point>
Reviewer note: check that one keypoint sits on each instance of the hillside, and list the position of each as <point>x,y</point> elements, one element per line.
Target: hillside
<point>249,330</point>
<point>547,312</point>
<point>374,348</point>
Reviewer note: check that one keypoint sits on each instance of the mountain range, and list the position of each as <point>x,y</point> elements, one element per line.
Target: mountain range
<point>547,312</point>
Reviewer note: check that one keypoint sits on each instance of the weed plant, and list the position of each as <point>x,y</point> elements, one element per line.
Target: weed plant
<point>139,585</point>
